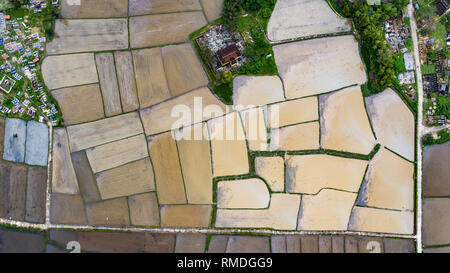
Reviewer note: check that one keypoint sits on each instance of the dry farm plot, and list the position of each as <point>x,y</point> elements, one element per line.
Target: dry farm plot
<point>248,244</point>
<point>86,179</point>
<point>212,9</point>
<point>392,122</point>
<point>255,129</point>
<point>67,209</point>
<point>381,220</point>
<point>195,160</point>
<point>186,216</point>
<point>36,194</point>
<point>305,173</point>
<point>304,136</point>
<point>228,146</point>
<point>144,210</point>
<point>166,116</point>
<point>86,35</point>
<point>249,91</point>
<point>168,176</point>
<point>389,183</point>
<point>95,133</point>
<point>163,29</point>
<point>301,18</point>
<point>113,212</point>
<point>132,178</point>
<point>141,7</point>
<point>344,122</point>
<point>127,81</point>
<point>114,154</point>
<point>108,82</point>
<point>94,9</point>
<point>242,194</point>
<point>13,191</point>
<point>183,68</point>
<point>80,104</point>
<point>69,70</point>
<point>281,214</point>
<point>319,65</point>
<point>271,169</point>
<point>151,79</point>
<point>292,112</point>
<point>190,243</point>
<point>64,179</point>
<point>328,210</point>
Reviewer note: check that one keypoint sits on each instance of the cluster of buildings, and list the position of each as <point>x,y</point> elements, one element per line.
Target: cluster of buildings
<point>396,35</point>
<point>21,48</point>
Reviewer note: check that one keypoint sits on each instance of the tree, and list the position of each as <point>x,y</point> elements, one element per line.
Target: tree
<point>426,16</point>
<point>231,10</point>
<point>18,3</point>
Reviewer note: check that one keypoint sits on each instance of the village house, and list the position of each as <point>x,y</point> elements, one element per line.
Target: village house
<point>229,55</point>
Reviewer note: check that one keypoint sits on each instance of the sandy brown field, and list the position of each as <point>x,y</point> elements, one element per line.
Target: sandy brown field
<point>108,82</point>
<point>299,18</point>
<point>186,216</point>
<point>303,136</point>
<point>271,169</point>
<point>64,179</point>
<point>69,70</point>
<point>140,7</point>
<point>304,173</point>
<point>88,35</point>
<point>282,214</point>
<point>183,68</point>
<point>80,104</point>
<point>375,220</point>
<point>129,179</point>
<point>242,194</point>
<point>95,133</point>
<point>212,9</point>
<point>164,116</point>
<point>95,9</point>
<point>111,155</point>
<point>255,129</point>
<point>112,212</point>
<point>144,210</point>
<point>195,160</point>
<point>169,179</point>
<point>251,91</point>
<point>292,112</point>
<point>67,209</point>
<point>319,65</point>
<point>389,182</point>
<point>150,77</point>
<point>344,122</point>
<point>127,81</point>
<point>392,122</point>
<point>328,210</point>
<point>85,176</point>
<point>228,146</point>
<point>163,29</point>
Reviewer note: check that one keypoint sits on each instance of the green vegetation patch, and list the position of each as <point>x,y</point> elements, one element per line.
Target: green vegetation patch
<point>443,137</point>
<point>248,19</point>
